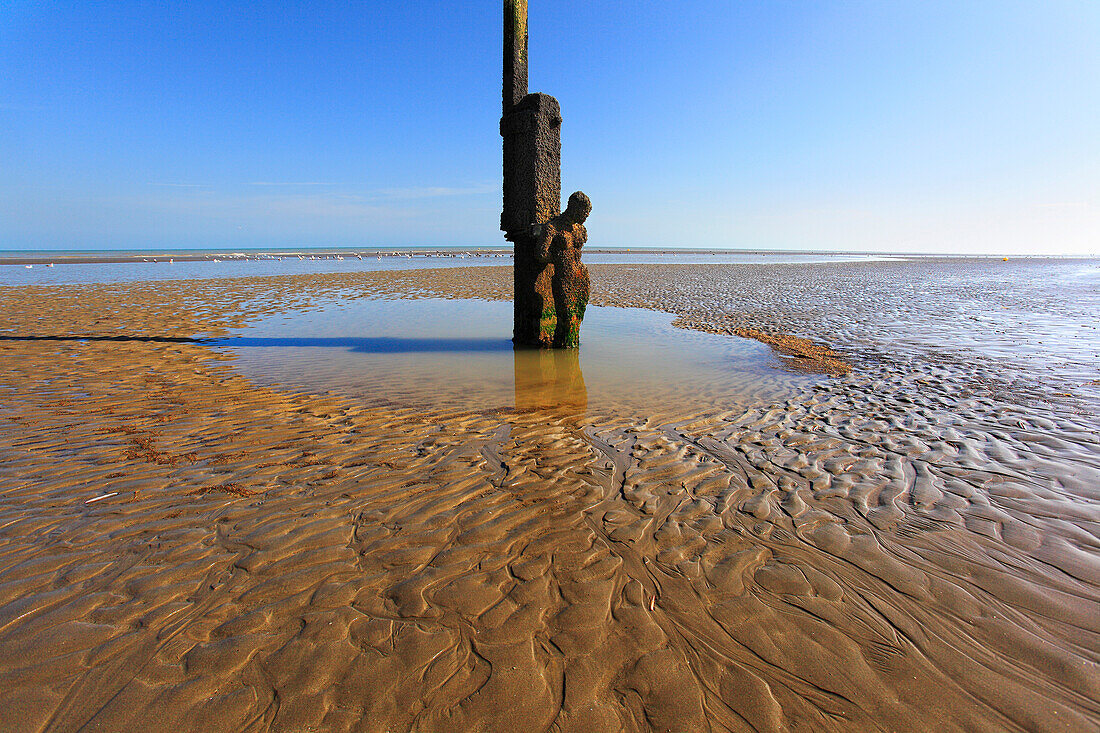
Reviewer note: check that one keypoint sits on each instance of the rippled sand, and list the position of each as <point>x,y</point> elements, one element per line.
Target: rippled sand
<point>908,545</point>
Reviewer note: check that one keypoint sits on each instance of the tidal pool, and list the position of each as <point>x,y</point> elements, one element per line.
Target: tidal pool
<point>458,354</point>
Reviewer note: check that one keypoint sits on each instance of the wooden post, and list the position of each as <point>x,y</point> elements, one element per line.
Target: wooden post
<point>515,53</point>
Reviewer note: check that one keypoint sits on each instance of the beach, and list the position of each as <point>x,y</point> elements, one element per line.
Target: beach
<point>894,527</point>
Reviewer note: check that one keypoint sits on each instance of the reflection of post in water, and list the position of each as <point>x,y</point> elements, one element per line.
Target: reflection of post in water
<point>550,378</point>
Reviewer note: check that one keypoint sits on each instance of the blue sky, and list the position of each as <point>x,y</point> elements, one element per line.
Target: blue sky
<point>895,125</point>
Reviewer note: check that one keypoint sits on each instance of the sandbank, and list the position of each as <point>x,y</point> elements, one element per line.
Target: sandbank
<point>909,542</point>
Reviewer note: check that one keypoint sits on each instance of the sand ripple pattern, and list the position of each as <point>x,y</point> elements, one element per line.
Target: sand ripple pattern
<point>895,549</point>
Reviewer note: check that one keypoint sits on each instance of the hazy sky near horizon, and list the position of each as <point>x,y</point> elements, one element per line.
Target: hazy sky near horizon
<point>886,125</point>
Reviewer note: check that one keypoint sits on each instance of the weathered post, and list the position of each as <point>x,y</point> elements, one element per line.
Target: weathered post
<point>531,128</point>
<point>515,53</point>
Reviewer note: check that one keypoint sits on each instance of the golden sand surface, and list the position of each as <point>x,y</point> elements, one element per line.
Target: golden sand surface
<point>908,545</point>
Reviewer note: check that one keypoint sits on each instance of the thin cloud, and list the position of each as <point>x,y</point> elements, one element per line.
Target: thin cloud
<point>421,192</point>
<point>288,207</point>
<point>408,193</point>
<point>291,183</point>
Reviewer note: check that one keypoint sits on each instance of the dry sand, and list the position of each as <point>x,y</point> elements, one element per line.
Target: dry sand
<point>908,545</point>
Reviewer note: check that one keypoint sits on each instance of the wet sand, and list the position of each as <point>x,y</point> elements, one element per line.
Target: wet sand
<point>909,543</point>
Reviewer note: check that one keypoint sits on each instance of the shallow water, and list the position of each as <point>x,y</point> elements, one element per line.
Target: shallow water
<point>458,353</point>
<point>157,267</point>
<point>160,270</point>
<point>1030,325</point>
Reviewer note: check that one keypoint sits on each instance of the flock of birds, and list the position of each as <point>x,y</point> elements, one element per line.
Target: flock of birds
<point>356,255</point>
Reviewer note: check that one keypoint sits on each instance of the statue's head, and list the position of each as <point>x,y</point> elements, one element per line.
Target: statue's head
<point>579,207</point>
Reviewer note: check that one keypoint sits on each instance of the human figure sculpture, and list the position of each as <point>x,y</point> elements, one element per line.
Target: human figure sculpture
<point>559,244</point>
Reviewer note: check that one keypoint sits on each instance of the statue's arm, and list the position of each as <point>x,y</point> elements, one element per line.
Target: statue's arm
<point>580,236</point>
